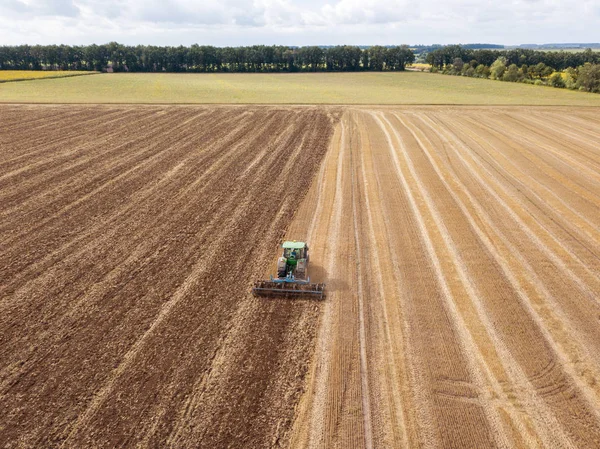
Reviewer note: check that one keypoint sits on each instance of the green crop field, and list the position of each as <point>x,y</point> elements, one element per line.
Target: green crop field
<point>303,88</point>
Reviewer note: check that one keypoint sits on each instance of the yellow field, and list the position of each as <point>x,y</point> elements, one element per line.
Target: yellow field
<point>420,66</point>
<point>23,75</point>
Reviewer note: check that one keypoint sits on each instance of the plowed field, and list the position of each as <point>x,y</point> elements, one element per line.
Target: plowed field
<point>460,247</point>
<point>130,237</point>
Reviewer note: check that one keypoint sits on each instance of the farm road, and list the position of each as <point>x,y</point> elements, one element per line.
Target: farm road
<point>462,249</point>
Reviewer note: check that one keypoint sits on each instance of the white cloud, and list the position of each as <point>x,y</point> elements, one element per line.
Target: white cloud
<point>33,8</point>
<point>370,11</point>
<point>296,22</point>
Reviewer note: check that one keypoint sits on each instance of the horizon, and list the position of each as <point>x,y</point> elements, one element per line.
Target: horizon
<point>481,45</point>
<point>293,22</point>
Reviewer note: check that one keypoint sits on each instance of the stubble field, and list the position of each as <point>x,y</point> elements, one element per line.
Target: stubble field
<point>460,246</point>
<point>463,254</point>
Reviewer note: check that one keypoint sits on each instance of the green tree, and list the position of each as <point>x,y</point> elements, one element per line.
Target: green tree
<point>482,71</point>
<point>458,65</point>
<point>470,71</point>
<point>556,80</point>
<point>498,68</point>
<point>311,58</point>
<point>588,78</point>
<point>376,57</point>
<point>511,74</point>
<point>397,58</point>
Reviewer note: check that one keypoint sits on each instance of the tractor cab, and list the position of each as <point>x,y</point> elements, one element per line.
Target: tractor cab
<point>294,259</point>
<point>293,251</point>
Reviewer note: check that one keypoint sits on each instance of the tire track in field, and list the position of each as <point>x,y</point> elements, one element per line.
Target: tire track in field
<point>187,412</point>
<point>41,139</point>
<point>223,363</point>
<point>89,159</point>
<point>19,201</point>
<point>524,171</point>
<point>274,164</point>
<point>392,213</point>
<point>504,351</point>
<point>493,157</point>
<point>560,160</point>
<point>323,196</point>
<point>319,421</point>
<point>498,251</point>
<point>183,292</point>
<point>119,214</point>
<point>39,167</point>
<point>580,121</point>
<point>59,217</point>
<point>396,412</point>
<point>124,167</point>
<point>364,366</point>
<point>560,251</point>
<point>580,237</point>
<point>461,262</point>
<point>503,178</point>
<point>17,143</point>
<point>555,168</point>
<point>551,130</point>
<point>474,358</point>
<point>86,137</point>
<point>338,393</point>
<point>539,281</point>
<point>425,236</point>
<point>209,433</point>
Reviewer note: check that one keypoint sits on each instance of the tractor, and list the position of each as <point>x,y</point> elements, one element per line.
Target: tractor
<point>292,279</point>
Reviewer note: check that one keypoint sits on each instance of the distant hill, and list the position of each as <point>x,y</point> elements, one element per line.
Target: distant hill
<point>564,46</point>
<point>427,48</point>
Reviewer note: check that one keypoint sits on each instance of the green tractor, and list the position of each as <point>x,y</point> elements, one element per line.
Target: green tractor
<point>292,279</point>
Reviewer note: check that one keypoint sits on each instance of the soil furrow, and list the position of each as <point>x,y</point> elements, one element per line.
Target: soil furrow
<point>460,247</point>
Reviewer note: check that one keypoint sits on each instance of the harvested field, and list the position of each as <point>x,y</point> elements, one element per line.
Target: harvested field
<point>460,246</point>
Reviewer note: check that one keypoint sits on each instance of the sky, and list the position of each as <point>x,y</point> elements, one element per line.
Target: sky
<point>298,22</point>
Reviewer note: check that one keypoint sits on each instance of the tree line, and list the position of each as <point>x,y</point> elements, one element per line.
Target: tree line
<point>585,77</point>
<point>559,60</point>
<point>204,58</point>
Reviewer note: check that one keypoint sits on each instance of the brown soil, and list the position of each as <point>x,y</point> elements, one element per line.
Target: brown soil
<point>130,237</point>
<point>460,247</point>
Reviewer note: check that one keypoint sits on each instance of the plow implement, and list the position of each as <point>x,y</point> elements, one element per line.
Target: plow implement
<point>277,288</point>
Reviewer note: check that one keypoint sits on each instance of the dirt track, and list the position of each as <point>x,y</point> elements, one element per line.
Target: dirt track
<point>460,246</point>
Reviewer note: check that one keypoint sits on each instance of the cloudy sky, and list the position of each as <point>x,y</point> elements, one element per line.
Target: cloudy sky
<point>297,22</point>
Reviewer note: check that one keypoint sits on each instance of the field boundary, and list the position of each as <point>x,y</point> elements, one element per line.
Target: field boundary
<point>69,75</point>
<point>332,105</point>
